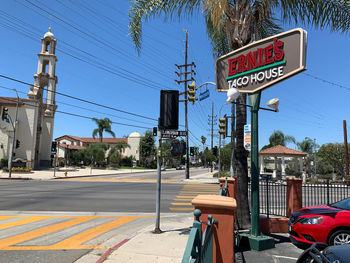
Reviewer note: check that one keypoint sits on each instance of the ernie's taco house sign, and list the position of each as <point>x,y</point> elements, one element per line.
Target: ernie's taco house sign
<point>262,63</point>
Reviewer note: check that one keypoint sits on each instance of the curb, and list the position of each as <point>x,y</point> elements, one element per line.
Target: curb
<point>92,175</point>
<point>110,250</point>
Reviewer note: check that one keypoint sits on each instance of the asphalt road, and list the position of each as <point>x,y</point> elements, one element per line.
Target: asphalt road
<point>31,230</point>
<point>84,196</point>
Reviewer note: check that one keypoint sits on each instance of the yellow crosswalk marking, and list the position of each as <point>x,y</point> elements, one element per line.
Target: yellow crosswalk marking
<point>76,241</point>
<point>23,221</point>
<point>73,242</point>
<point>181,203</point>
<point>10,241</point>
<point>190,191</point>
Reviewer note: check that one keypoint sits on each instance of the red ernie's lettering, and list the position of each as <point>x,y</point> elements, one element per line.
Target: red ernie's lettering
<point>268,54</point>
<point>252,60</point>
<point>261,61</point>
<point>232,66</point>
<point>278,50</point>
<point>241,64</point>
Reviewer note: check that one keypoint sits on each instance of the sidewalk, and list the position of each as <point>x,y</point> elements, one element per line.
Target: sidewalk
<point>48,174</point>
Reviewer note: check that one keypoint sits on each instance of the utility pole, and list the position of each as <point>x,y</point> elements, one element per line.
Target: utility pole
<point>185,66</point>
<point>212,122</point>
<point>233,136</point>
<point>346,150</point>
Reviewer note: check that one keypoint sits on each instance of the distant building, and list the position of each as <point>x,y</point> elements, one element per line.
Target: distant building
<point>68,144</point>
<point>34,127</point>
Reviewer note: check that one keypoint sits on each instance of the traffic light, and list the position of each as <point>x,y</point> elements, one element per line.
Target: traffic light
<point>54,147</point>
<point>17,144</point>
<point>223,126</point>
<point>5,113</point>
<point>215,151</point>
<point>155,131</point>
<point>192,151</point>
<point>192,92</point>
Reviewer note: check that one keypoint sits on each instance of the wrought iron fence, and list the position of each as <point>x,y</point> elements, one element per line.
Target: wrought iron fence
<point>324,193</point>
<point>272,197</point>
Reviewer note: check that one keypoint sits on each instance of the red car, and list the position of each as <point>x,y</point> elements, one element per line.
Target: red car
<point>328,224</point>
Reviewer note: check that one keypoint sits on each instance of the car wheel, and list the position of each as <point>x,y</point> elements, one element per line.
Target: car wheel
<point>340,237</point>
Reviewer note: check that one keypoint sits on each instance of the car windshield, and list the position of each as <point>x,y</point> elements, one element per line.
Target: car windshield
<point>343,204</point>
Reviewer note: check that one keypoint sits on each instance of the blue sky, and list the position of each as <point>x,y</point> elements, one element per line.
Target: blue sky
<point>121,79</point>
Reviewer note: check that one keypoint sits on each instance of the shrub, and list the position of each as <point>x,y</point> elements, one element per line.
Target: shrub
<point>3,162</point>
<point>19,169</point>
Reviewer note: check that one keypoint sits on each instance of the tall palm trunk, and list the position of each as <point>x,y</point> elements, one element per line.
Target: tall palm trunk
<point>241,154</point>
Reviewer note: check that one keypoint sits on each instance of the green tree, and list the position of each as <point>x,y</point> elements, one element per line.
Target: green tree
<point>233,24</point>
<point>114,155</point>
<point>334,155</point>
<point>307,145</point>
<point>103,125</point>
<point>147,148</point>
<point>96,153</point>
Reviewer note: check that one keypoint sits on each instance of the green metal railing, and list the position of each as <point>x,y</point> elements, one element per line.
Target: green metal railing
<point>199,248</point>
<point>223,190</point>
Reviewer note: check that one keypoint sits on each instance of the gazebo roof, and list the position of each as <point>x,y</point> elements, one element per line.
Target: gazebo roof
<point>280,150</point>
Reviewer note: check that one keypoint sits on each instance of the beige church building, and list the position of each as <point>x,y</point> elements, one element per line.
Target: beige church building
<point>35,118</point>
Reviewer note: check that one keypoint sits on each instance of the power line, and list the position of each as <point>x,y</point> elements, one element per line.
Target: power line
<point>80,116</point>
<point>79,99</point>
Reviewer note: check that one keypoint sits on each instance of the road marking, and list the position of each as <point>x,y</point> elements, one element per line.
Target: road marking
<point>31,219</point>
<point>181,203</point>
<point>120,179</point>
<point>189,192</point>
<point>75,241</point>
<point>277,256</point>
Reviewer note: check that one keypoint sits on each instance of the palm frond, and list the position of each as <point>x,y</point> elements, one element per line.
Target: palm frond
<point>146,9</point>
<point>319,13</point>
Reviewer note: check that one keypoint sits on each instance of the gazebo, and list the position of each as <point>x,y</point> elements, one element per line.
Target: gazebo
<point>280,151</point>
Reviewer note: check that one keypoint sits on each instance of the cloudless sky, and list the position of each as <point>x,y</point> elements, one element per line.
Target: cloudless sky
<point>97,61</point>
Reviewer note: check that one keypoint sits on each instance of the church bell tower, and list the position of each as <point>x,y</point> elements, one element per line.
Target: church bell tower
<point>45,81</point>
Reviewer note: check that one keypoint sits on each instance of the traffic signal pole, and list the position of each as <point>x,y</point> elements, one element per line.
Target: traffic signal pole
<point>14,136</point>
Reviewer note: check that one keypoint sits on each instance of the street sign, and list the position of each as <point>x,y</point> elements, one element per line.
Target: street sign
<point>204,95</point>
<point>247,137</point>
<point>263,63</point>
<point>172,133</point>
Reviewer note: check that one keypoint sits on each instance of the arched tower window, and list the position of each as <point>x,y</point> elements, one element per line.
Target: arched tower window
<point>45,66</point>
<point>47,46</point>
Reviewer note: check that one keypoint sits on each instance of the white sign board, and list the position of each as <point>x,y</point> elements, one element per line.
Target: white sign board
<point>247,137</point>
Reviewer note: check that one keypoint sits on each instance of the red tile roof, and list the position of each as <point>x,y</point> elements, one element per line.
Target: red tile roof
<point>280,150</point>
<point>73,147</point>
<point>105,140</point>
<point>92,140</point>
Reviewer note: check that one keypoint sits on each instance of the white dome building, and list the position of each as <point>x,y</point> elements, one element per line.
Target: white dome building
<point>134,142</point>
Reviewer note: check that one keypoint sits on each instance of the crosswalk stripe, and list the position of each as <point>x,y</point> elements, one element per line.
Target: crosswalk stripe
<point>10,241</point>
<point>76,241</point>
<point>181,204</point>
<point>23,221</point>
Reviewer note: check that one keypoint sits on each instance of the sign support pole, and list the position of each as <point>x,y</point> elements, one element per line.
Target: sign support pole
<point>257,241</point>
<point>159,172</point>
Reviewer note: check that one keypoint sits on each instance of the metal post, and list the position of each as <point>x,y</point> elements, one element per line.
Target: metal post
<point>267,197</point>
<point>54,168</point>
<point>255,102</point>
<point>159,171</point>
<point>14,136</point>
<point>187,172</point>
<point>219,161</point>
<point>233,158</point>
<point>346,150</point>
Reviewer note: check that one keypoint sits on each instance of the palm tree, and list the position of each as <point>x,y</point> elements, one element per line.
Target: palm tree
<point>121,146</point>
<point>279,138</point>
<point>104,125</point>
<point>307,145</point>
<point>233,24</point>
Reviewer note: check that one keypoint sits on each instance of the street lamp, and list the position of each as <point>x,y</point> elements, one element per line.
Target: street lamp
<point>254,104</point>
